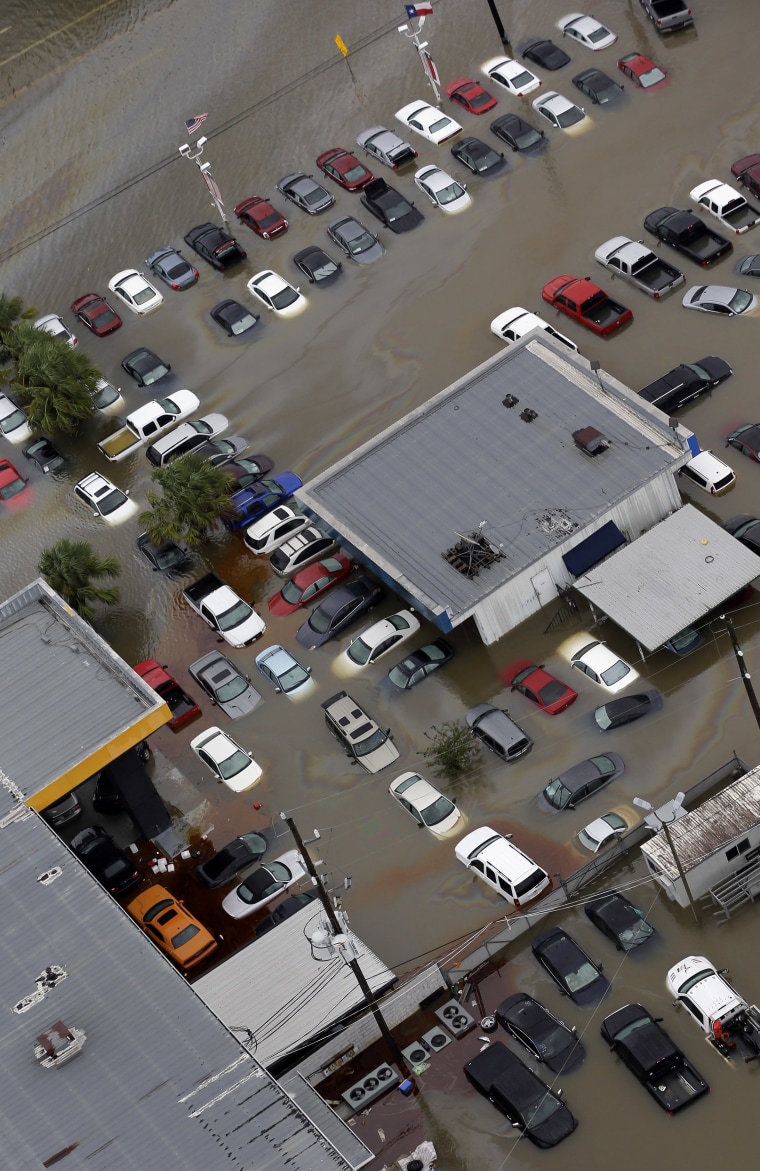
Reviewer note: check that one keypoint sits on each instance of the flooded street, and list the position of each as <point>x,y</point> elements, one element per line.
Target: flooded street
<point>92,183</point>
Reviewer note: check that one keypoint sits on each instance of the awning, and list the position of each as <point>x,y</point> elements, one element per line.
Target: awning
<point>594,549</point>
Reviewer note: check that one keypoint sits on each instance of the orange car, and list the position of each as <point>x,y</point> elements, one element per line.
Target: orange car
<point>172,927</point>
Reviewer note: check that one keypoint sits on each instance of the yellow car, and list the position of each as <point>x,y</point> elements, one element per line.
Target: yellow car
<point>172,927</point>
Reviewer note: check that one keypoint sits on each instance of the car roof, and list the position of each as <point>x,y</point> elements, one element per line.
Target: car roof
<point>709,465</point>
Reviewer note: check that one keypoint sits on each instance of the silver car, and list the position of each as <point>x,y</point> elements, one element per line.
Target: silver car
<point>355,240</point>
<point>722,299</point>
<point>227,687</point>
<point>306,193</point>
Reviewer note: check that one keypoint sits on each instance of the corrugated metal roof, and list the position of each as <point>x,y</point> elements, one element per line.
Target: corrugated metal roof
<point>160,1081</point>
<point>464,462</point>
<point>670,577</point>
<point>65,679</point>
<point>709,827</point>
<point>276,988</point>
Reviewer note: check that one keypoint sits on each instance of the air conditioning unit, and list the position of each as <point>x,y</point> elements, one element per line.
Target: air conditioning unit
<point>416,1053</point>
<point>456,1019</point>
<point>370,1087</point>
<point>436,1039</point>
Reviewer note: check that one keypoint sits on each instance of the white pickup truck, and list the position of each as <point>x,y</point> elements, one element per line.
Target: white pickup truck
<point>147,422</point>
<point>637,264</point>
<point>728,1022</point>
<point>219,606</point>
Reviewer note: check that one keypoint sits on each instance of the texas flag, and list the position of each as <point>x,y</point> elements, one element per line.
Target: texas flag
<point>413,10</point>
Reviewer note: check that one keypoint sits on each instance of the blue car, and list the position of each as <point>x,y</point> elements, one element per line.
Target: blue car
<point>252,503</point>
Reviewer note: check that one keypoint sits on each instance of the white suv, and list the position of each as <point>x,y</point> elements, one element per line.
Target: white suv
<point>104,498</point>
<point>512,874</point>
<point>709,473</point>
<point>273,529</point>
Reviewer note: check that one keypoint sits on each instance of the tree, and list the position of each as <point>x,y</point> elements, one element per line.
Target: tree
<point>452,749</point>
<point>12,311</point>
<point>70,567</point>
<point>195,497</point>
<point>53,383</point>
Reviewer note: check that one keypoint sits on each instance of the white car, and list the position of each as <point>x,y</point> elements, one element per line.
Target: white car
<point>510,74</point>
<point>428,807</point>
<point>602,831</point>
<point>725,300</point>
<point>273,529</point>
<point>587,31</point>
<point>139,295</point>
<point>603,666</point>
<point>726,204</point>
<point>709,473</point>
<point>108,398</point>
<point>514,323</point>
<point>501,865</point>
<point>14,424</point>
<point>104,498</point>
<point>264,884</point>
<point>428,121</point>
<point>227,760</point>
<point>381,637</point>
<point>276,293</point>
<point>53,324</point>
<point>442,190</point>
<point>561,112</point>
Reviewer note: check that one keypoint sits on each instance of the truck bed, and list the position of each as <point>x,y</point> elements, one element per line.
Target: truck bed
<point>118,444</point>
<point>200,589</point>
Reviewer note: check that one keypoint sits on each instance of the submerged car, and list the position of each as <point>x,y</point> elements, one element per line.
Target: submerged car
<point>355,240</point>
<point>385,146</point>
<point>230,763</point>
<point>539,686</point>
<point>747,528</point>
<point>390,207</point>
<point>546,1038</point>
<point>301,550</point>
<point>362,738</point>
<point>545,54</point>
<point>618,919</point>
<point>478,157</point>
<point>724,300</point>
<point>518,134</point>
<point>215,245</point>
<point>261,217</point>
<point>233,317</point>
<point>54,325</point>
<point>264,884</point>
<point>231,859</point>
<point>304,191</point>
<point>428,121</point>
<point>442,190</point>
<point>420,663</point>
<point>342,606</point>
<point>511,75</point>
<point>12,483</point>
<point>103,858</point>
<point>14,424</point>
<point>684,383</point>
<point>283,670</point>
<point>44,454</point>
<point>95,312</point>
<point>573,971</point>
<point>470,95</point>
<point>380,638</point>
<point>429,808</point>
<point>225,685</point>
<point>709,473</point>
<point>535,1110</point>
<point>602,831</point>
<point>344,169</point>
<point>515,323</point>
<point>502,865</point>
<point>182,706</point>
<point>276,293</point>
<point>172,268</point>
<point>493,726</point>
<point>558,110</point>
<point>104,498</point>
<point>587,30</point>
<point>642,72</point>
<point>310,583</point>
<point>168,557</point>
<point>597,86</point>
<point>603,666</point>
<point>138,294</point>
<point>317,266</point>
<point>582,780</point>
<point>626,709</point>
<point>145,366</point>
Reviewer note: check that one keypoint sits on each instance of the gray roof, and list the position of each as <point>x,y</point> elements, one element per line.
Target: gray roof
<point>160,1081</point>
<point>709,827</point>
<point>463,461</point>
<point>276,988</point>
<point>67,680</point>
<point>670,577</point>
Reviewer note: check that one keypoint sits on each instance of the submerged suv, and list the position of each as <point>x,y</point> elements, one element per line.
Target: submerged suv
<point>505,868</point>
<point>498,732</point>
<point>363,739</point>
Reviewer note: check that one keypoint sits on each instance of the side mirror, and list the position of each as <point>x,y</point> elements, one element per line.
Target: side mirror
<point>559,1093</point>
<point>574,1030</point>
<point>600,967</point>
<point>213,701</point>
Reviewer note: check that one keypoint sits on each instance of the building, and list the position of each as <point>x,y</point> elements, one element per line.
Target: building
<point>491,499</point>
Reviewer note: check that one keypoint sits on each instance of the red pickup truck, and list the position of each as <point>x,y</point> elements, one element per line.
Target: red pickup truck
<point>584,301</point>
<point>182,706</point>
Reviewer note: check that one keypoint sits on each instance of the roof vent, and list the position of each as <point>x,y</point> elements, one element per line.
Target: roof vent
<point>58,1044</point>
<point>471,554</point>
<point>510,400</point>
<point>528,415</point>
<point>556,523</point>
<point>46,980</point>
<point>590,441</point>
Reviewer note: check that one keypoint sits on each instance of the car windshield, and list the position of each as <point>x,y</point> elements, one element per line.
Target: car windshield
<point>398,211</point>
<point>243,324</point>
<point>740,301</point>
<point>291,592</point>
<point>554,1043</point>
<point>359,651</point>
<point>293,677</point>
<point>184,936</point>
<point>450,193</point>
<point>359,243</point>
<point>694,980</point>
<point>437,812</point>
<point>268,220</point>
<point>110,502</point>
<point>320,620</point>
<point>551,692</point>
<point>635,934</point>
<point>570,117</point>
<point>631,1027</point>
<point>541,1111</point>
<point>651,77</point>
<point>439,124</point>
<point>556,794</point>
<point>597,34</point>
<point>167,558</point>
<point>16,419</point>
<point>353,174</point>
<point>155,373</point>
<point>519,79</point>
<point>145,294</point>
<point>285,297</point>
<point>376,740</point>
<point>615,673</point>
<point>315,195</point>
<point>324,269</point>
<point>488,159</point>
<point>234,616</point>
<point>12,489</point>
<point>106,395</point>
<point>582,976</point>
<point>232,689</point>
<point>526,136</point>
<point>234,764</point>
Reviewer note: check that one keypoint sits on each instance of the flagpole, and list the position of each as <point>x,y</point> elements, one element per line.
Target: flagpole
<point>205,170</point>
<point>414,36</point>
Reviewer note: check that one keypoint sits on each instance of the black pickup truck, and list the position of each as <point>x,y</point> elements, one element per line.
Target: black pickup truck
<point>653,1058</point>
<point>499,1075</point>
<point>686,232</point>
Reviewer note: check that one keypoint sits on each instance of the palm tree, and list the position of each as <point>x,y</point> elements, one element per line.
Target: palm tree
<point>195,497</point>
<point>12,311</point>
<point>70,567</point>
<point>54,384</point>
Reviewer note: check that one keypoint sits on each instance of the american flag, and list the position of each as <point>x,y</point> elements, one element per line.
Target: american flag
<point>195,123</point>
<point>420,9</point>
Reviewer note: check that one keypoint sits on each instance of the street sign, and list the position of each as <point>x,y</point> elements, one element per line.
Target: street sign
<point>341,45</point>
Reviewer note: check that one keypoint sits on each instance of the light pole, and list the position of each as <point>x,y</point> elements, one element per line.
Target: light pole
<point>208,179</point>
<point>428,64</point>
<point>666,827</point>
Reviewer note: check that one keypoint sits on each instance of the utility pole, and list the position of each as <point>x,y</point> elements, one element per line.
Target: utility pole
<point>666,827</point>
<point>497,21</point>
<point>353,963</point>
<point>205,169</point>
<point>746,677</point>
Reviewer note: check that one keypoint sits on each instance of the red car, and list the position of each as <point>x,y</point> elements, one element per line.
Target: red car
<point>470,95</point>
<point>642,72</point>
<point>537,685</point>
<point>182,706</point>
<point>586,303</point>
<point>261,217</point>
<point>11,481</point>
<point>96,314</point>
<point>747,171</point>
<point>310,583</point>
<point>344,168</point>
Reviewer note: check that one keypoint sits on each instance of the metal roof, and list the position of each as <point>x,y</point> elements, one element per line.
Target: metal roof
<point>709,827</point>
<point>464,462</point>
<point>670,577</point>
<point>286,997</point>
<point>67,679</point>
<point>160,1081</point>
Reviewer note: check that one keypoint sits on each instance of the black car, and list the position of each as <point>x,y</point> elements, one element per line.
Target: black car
<point>684,383</point>
<point>44,455</point>
<point>105,860</point>
<point>215,245</point>
<point>619,920</point>
<point>168,557</point>
<point>317,266</point>
<point>540,1032</point>
<point>390,207</point>
<point>520,1095</point>
<point>518,133</point>
<point>546,54</point>
<point>145,367</point>
<point>172,268</point>
<point>574,972</point>
<point>582,781</point>
<point>231,859</point>
<point>233,317</point>
<point>746,439</point>
<point>598,86</point>
<point>421,663</point>
<point>478,157</point>
<point>342,605</point>
<point>626,709</point>
<point>248,470</point>
<point>746,529</point>
<point>289,906</point>
<point>749,265</point>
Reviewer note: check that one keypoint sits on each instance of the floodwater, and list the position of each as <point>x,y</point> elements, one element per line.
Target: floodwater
<point>91,182</point>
